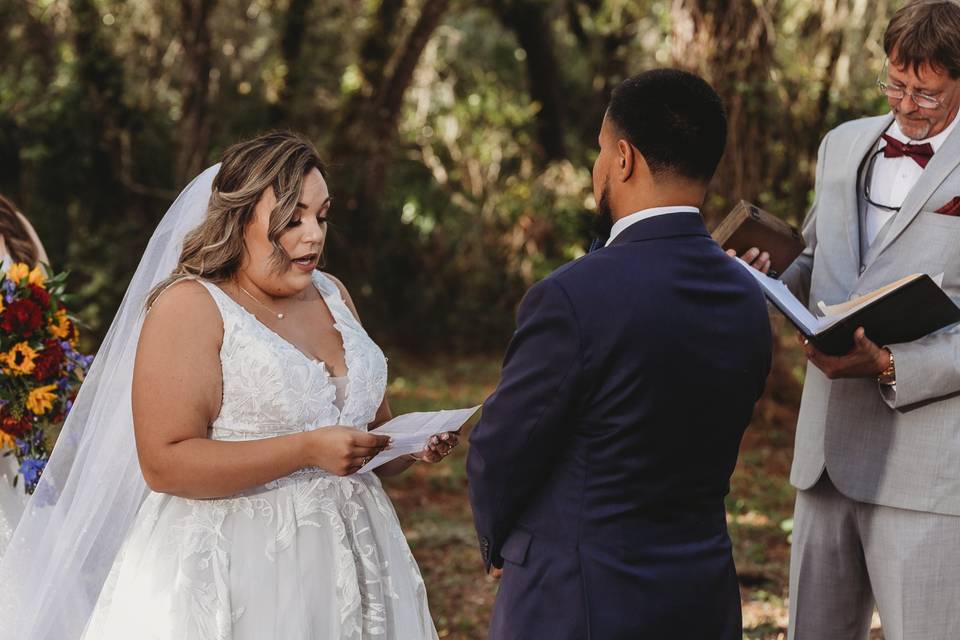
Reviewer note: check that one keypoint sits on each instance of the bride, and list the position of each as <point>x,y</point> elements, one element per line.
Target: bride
<point>18,243</point>
<point>250,387</point>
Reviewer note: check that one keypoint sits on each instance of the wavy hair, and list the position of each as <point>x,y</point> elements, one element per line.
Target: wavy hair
<point>213,250</point>
<point>15,235</point>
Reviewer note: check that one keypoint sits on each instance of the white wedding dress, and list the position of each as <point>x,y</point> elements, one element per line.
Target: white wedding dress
<point>308,556</point>
<point>13,499</point>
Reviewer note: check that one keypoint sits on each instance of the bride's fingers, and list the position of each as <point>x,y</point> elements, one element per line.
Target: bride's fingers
<point>361,451</point>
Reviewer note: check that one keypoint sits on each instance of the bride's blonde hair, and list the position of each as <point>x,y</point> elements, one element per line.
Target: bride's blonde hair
<point>213,250</point>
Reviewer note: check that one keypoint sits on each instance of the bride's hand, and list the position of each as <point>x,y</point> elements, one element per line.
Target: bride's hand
<point>342,450</point>
<point>438,448</point>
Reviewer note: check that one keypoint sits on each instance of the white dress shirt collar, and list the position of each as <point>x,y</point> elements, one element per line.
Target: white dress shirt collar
<point>644,214</point>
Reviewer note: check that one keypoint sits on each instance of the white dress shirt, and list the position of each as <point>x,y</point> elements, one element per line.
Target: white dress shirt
<point>893,178</point>
<point>644,214</point>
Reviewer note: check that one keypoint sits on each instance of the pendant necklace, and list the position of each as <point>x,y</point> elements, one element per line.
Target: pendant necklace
<point>250,295</point>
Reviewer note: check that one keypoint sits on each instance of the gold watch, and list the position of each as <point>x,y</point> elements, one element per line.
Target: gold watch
<point>888,376</point>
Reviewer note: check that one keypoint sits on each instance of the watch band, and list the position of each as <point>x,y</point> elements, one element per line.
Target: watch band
<point>888,376</point>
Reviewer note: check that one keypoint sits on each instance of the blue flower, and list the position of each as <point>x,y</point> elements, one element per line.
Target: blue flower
<point>31,468</point>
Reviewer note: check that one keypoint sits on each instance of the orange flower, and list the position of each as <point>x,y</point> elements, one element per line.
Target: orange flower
<point>40,400</point>
<point>18,272</point>
<point>59,326</point>
<point>37,277</point>
<point>7,441</point>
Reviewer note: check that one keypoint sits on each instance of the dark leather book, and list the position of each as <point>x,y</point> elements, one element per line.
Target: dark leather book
<point>748,226</point>
<point>902,311</point>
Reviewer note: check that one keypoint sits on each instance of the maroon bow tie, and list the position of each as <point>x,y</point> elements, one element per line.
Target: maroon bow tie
<point>921,153</point>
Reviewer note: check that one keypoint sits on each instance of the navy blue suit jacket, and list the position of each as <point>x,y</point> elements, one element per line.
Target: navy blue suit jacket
<point>600,464</point>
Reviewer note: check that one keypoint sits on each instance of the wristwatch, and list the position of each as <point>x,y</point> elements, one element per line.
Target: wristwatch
<point>888,376</point>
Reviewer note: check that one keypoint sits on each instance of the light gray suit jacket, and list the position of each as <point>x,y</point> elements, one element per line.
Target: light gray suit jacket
<point>894,448</point>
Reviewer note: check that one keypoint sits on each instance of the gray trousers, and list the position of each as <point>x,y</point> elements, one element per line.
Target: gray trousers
<point>848,555</point>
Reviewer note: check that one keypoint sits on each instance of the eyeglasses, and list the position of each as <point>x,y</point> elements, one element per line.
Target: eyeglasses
<point>897,93</point>
<point>868,179</point>
<point>919,99</point>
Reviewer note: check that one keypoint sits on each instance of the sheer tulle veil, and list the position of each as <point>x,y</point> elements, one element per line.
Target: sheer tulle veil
<point>92,488</point>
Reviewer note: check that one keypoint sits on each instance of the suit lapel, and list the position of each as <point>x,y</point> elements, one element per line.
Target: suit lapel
<point>944,161</point>
<point>863,145</point>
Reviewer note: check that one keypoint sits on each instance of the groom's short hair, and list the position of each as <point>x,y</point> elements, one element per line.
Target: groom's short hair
<point>674,118</point>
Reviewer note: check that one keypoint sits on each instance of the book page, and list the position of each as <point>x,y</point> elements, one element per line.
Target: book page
<point>778,293</point>
<point>844,309</point>
<point>411,431</point>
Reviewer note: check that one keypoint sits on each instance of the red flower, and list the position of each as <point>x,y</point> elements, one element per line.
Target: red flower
<point>16,428</point>
<point>40,295</point>
<point>49,361</point>
<point>22,317</point>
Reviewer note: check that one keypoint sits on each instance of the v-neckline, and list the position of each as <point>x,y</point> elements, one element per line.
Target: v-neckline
<point>316,361</point>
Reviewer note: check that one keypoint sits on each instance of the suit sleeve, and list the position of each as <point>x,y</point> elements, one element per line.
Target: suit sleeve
<point>798,274</point>
<point>927,369</point>
<point>527,419</point>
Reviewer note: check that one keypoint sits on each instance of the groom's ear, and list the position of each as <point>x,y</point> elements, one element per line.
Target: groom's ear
<point>628,159</point>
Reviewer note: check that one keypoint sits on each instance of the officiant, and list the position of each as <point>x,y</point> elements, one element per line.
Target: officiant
<point>877,460</point>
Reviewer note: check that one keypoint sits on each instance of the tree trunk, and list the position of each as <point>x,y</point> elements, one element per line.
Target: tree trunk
<point>730,43</point>
<point>365,135</point>
<point>194,125</point>
<point>529,21</point>
<point>291,45</point>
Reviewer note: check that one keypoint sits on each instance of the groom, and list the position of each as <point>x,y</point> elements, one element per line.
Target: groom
<point>598,470</point>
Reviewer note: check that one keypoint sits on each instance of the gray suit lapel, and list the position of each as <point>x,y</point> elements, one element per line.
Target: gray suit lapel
<point>943,163</point>
<point>862,146</point>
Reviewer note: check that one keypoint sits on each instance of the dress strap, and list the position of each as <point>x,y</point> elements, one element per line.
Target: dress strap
<point>334,298</point>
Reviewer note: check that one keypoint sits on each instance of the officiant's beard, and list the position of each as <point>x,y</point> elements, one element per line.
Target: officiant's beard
<point>603,221</point>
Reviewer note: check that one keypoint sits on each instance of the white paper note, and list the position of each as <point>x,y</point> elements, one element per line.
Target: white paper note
<point>412,431</point>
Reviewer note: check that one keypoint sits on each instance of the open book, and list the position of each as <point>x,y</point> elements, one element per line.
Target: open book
<point>901,311</point>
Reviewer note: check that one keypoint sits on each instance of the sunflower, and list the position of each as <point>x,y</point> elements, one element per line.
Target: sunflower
<point>18,272</point>
<point>59,326</point>
<point>7,441</point>
<point>41,399</point>
<point>37,277</point>
<point>20,359</point>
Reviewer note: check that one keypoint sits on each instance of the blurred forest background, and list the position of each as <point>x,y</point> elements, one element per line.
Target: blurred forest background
<point>460,137</point>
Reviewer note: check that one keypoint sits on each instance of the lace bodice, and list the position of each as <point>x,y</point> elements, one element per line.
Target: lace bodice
<point>270,387</point>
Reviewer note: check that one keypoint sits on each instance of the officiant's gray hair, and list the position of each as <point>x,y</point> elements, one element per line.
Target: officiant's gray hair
<point>213,250</point>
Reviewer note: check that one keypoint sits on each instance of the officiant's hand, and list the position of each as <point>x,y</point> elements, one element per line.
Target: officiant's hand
<point>759,260</point>
<point>865,360</point>
<point>342,450</point>
<point>438,448</point>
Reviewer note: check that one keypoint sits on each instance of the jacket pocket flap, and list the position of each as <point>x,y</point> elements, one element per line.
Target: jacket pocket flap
<point>515,548</point>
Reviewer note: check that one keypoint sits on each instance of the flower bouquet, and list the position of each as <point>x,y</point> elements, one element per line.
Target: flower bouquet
<point>40,369</point>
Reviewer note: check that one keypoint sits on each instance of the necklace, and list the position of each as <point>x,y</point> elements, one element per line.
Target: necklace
<point>250,295</point>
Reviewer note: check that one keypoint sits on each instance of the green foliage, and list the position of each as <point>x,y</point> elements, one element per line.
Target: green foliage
<point>468,211</point>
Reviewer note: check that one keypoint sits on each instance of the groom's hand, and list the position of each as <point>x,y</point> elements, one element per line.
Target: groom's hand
<point>495,573</point>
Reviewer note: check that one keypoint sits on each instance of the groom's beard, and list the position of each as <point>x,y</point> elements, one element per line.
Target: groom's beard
<point>603,221</point>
